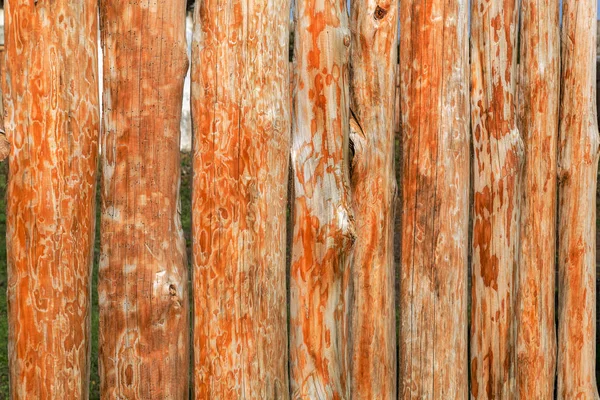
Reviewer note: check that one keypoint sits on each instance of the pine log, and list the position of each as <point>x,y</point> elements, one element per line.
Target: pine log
<point>142,288</point>
<point>435,183</point>
<point>498,159</point>
<point>578,145</point>
<point>52,121</point>
<point>241,120</point>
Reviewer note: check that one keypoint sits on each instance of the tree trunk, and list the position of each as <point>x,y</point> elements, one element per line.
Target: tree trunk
<point>578,165</point>
<point>538,124</point>
<point>241,119</point>
<point>323,226</point>
<point>143,282</point>
<point>52,123</point>
<point>498,152</point>
<point>374,27</point>
<point>435,241</point>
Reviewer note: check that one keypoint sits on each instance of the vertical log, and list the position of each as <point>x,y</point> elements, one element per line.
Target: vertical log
<point>4,144</point>
<point>52,123</point>
<point>142,284</point>
<point>435,242</point>
<point>538,123</point>
<point>578,165</point>
<point>498,152</point>
<point>241,119</point>
<point>323,227</point>
<point>374,26</point>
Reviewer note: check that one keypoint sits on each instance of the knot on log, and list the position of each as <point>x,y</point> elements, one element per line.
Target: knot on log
<point>347,40</point>
<point>174,296</point>
<point>346,232</point>
<point>4,146</point>
<point>379,13</point>
<point>357,144</point>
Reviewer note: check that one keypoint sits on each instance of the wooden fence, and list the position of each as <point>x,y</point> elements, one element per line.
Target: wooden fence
<point>295,291</point>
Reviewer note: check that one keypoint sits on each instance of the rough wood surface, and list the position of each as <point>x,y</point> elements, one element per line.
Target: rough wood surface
<point>241,119</point>
<point>52,122</point>
<point>323,227</point>
<point>142,288</point>
<point>577,169</point>
<point>538,124</point>
<point>374,26</point>
<point>435,182</point>
<point>4,147</point>
<point>498,152</point>
<point>4,144</point>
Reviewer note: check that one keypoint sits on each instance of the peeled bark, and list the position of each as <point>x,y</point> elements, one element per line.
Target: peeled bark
<point>241,119</point>
<point>538,124</point>
<point>498,152</point>
<point>374,27</point>
<point>4,144</point>
<point>142,288</point>
<point>323,226</point>
<point>578,165</point>
<point>52,122</point>
<point>435,241</point>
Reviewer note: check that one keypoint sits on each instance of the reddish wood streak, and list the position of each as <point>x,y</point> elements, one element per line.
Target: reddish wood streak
<point>52,122</point>
<point>538,123</point>
<point>372,94</point>
<point>578,165</point>
<point>497,180</point>
<point>142,288</point>
<point>435,191</point>
<point>241,118</point>
<point>323,227</point>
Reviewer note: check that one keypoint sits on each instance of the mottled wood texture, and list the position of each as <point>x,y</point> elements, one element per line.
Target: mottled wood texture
<point>374,26</point>
<point>4,144</point>
<point>577,168</point>
<point>52,122</point>
<point>323,226</point>
<point>498,153</point>
<point>434,88</point>
<point>538,102</point>
<point>241,120</point>
<point>142,288</point>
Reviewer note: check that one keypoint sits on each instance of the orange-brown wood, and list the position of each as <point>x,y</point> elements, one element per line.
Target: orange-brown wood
<point>52,122</point>
<point>374,26</point>
<point>538,124</point>
<point>4,144</point>
<point>142,288</point>
<point>498,153</point>
<point>435,191</point>
<point>323,226</point>
<point>577,174</point>
<point>241,119</point>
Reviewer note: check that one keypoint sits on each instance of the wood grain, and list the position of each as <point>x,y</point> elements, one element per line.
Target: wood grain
<point>142,288</point>
<point>577,174</point>
<point>241,120</point>
<point>498,154</point>
<point>323,224</point>
<point>374,27</point>
<point>52,122</point>
<point>538,104</point>
<point>435,190</point>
